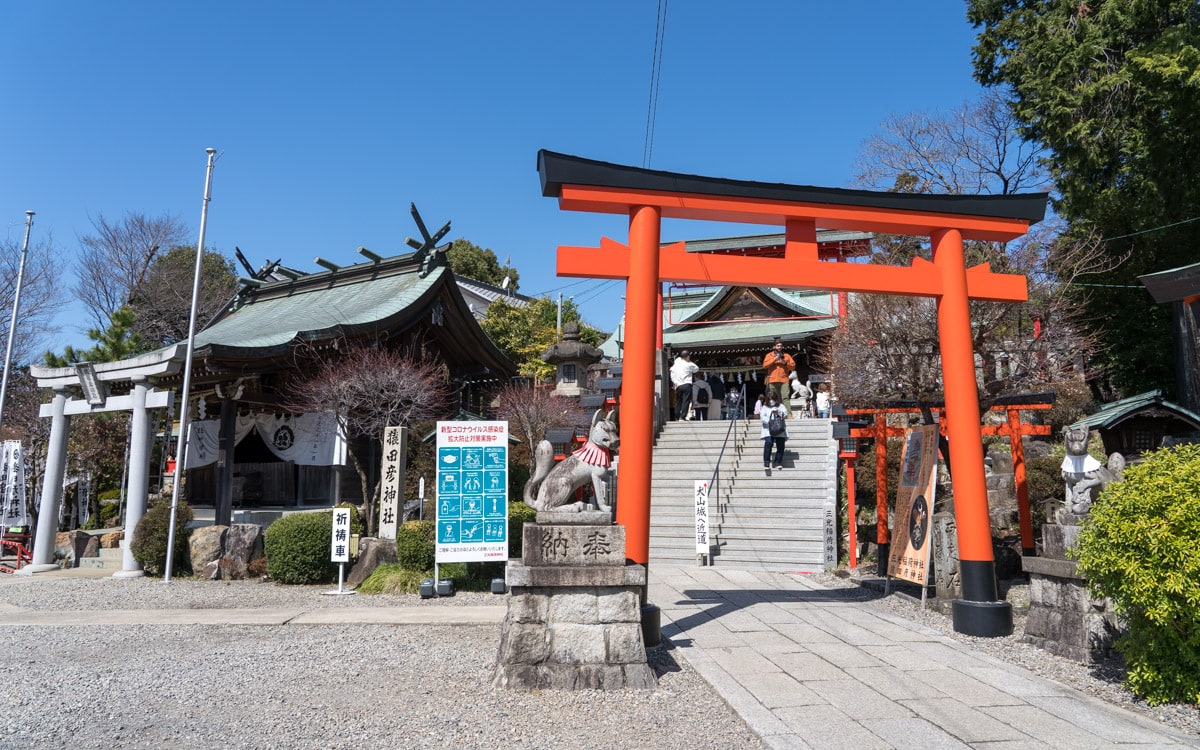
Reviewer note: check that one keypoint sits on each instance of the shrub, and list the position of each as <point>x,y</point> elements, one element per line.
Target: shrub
<point>391,578</point>
<point>149,543</point>
<point>298,548</point>
<point>518,515</point>
<point>108,513</point>
<point>415,542</point>
<point>1138,548</point>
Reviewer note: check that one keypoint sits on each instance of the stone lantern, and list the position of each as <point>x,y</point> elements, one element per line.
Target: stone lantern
<point>571,358</point>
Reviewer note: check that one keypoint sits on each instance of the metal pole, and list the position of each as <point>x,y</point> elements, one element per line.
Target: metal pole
<point>12,324</point>
<point>181,453</point>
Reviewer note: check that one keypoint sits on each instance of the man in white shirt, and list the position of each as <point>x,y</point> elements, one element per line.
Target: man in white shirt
<point>681,378</point>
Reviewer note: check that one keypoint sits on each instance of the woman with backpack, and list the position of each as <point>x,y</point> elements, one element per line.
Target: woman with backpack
<point>774,431</point>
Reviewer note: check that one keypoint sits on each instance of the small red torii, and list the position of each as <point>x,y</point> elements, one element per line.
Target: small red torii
<point>1013,427</point>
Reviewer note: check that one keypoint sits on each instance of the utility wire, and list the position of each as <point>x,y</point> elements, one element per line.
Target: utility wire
<point>1152,229</point>
<point>660,32</point>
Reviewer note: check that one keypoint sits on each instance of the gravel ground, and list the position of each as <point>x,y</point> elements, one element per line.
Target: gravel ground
<point>1101,681</point>
<point>305,686</point>
<point>299,686</point>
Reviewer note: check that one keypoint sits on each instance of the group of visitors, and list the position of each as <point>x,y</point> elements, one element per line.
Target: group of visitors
<point>695,396</point>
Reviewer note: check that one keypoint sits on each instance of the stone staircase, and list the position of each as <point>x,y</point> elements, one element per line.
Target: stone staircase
<point>766,519</point>
<point>109,559</point>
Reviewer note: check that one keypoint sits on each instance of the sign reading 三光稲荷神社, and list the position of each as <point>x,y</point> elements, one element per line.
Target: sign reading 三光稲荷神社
<point>472,491</point>
<point>340,542</point>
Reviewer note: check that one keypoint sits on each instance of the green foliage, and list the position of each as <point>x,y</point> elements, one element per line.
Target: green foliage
<point>474,262</point>
<point>518,515</point>
<point>391,578</point>
<point>1112,88</point>
<point>108,514</point>
<point>415,545</point>
<point>162,300</point>
<point>1072,399</point>
<point>524,333</point>
<point>298,548</point>
<point>149,543</point>
<point>472,576</point>
<point>864,474</point>
<point>114,343</point>
<point>1138,548</point>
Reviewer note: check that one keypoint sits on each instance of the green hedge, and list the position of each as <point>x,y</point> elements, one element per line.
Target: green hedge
<point>149,544</point>
<point>298,548</point>
<point>1138,548</point>
<point>415,545</point>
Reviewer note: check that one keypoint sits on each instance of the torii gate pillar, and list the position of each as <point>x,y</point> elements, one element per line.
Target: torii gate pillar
<point>643,324</point>
<point>649,196</point>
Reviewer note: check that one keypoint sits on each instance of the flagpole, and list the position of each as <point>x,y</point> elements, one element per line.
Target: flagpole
<point>181,450</point>
<point>12,324</point>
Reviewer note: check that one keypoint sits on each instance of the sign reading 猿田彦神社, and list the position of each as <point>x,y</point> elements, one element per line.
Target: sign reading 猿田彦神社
<point>472,491</point>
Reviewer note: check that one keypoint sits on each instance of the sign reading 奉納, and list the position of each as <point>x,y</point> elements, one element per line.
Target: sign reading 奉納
<point>472,491</point>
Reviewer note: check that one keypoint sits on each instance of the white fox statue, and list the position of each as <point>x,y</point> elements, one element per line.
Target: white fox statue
<point>551,487</point>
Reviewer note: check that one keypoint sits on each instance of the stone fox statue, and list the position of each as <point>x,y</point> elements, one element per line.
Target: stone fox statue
<point>553,486</point>
<point>1085,477</point>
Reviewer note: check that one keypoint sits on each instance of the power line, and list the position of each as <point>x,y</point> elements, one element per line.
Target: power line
<point>660,32</point>
<point>1152,229</point>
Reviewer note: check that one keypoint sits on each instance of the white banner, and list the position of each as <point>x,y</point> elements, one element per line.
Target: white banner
<point>339,546</point>
<point>305,439</point>
<point>13,508</point>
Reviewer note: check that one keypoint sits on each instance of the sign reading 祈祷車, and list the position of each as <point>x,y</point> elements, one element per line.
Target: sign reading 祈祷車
<point>472,491</point>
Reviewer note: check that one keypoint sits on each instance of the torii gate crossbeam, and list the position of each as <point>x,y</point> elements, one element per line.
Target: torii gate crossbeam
<point>648,196</point>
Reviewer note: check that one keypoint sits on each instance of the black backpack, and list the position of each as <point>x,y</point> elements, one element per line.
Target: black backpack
<point>775,424</point>
<point>702,396</point>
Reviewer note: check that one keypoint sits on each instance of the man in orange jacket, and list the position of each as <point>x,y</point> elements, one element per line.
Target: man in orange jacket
<point>779,365</point>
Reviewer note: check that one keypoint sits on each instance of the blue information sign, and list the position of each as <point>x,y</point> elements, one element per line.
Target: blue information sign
<point>472,485</point>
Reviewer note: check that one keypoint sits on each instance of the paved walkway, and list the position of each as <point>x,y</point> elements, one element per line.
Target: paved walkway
<point>804,666</point>
<point>808,668</point>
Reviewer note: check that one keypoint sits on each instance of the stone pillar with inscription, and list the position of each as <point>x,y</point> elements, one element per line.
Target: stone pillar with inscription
<point>574,613</point>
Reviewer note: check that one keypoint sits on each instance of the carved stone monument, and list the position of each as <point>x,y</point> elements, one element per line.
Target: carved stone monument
<point>574,614</point>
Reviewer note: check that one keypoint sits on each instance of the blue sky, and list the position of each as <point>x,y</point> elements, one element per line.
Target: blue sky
<point>330,118</point>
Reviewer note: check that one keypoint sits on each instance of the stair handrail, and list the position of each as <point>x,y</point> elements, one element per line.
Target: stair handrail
<point>712,483</point>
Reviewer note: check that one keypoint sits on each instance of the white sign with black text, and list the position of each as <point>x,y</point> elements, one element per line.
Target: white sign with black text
<point>340,547</point>
<point>701,496</point>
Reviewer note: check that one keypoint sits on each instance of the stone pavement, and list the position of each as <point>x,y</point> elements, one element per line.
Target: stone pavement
<point>804,666</point>
<point>807,667</point>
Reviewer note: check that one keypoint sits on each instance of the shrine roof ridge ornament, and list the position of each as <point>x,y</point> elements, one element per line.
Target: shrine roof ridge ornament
<point>560,170</point>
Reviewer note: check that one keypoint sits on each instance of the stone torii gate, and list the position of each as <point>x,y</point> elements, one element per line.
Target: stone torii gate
<point>134,376</point>
<point>648,196</point>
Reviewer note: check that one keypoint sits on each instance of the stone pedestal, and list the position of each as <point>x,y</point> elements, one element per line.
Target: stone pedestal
<point>574,614</point>
<point>1064,618</point>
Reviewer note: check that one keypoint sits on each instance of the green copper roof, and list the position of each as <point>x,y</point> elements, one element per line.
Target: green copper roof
<point>1113,414</point>
<point>273,320</point>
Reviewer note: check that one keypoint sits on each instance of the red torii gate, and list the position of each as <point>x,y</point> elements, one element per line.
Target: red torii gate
<point>648,196</point>
<point>1013,427</point>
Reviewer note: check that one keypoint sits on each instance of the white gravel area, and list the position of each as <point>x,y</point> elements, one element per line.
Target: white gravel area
<point>1102,681</point>
<point>309,686</point>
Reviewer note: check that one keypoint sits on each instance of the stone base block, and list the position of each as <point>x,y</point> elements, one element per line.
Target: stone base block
<point>1057,539</point>
<point>571,677</point>
<point>520,574</point>
<point>1064,618</point>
